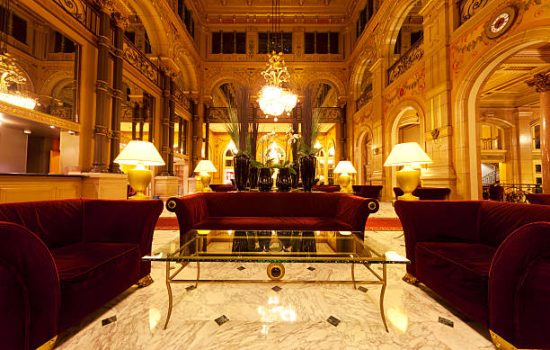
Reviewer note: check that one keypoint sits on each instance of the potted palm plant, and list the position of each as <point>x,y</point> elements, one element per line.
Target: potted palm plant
<point>237,128</point>
<point>307,151</point>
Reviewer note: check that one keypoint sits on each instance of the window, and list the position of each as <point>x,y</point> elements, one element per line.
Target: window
<point>536,136</point>
<point>180,140</point>
<point>131,36</point>
<point>364,17</point>
<point>186,17</point>
<point>16,26</point>
<point>321,43</point>
<point>268,42</point>
<point>63,44</point>
<point>415,37</point>
<point>228,43</point>
<point>147,44</point>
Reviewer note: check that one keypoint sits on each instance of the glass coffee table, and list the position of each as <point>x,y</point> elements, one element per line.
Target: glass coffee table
<point>276,248</point>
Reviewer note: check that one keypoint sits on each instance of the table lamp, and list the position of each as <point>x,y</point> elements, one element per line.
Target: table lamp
<point>140,154</point>
<point>407,154</point>
<point>344,168</point>
<point>204,168</point>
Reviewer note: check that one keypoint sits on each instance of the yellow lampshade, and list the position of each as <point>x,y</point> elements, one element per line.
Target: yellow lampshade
<point>205,166</point>
<point>345,167</point>
<point>139,153</point>
<point>408,153</point>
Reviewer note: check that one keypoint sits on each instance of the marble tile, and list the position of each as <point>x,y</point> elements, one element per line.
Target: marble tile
<point>293,318</point>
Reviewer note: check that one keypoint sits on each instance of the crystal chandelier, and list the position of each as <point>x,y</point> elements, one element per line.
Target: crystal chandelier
<point>10,74</point>
<point>274,98</point>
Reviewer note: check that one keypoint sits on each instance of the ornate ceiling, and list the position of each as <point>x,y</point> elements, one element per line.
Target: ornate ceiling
<point>249,11</point>
<point>506,87</point>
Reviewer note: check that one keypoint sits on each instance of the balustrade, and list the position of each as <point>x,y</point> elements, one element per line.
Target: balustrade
<point>406,61</point>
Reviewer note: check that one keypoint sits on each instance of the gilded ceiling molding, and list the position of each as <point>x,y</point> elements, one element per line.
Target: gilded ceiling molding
<point>38,117</point>
<point>541,82</point>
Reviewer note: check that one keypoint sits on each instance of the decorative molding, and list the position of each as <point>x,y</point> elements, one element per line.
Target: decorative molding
<point>541,82</point>
<point>38,117</point>
<point>468,8</point>
<point>183,100</point>
<point>139,61</point>
<point>406,61</point>
<point>83,12</point>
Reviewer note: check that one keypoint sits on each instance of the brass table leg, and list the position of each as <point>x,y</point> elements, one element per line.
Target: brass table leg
<point>169,288</point>
<point>353,275</point>
<point>382,292</point>
<point>198,274</point>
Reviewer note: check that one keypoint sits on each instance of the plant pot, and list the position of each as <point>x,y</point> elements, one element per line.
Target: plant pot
<point>265,182</point>
<point>253,177</point>
<point>284,182</point>
<point>294,176</point>
<point>307,171</point>
<point>241,165</point>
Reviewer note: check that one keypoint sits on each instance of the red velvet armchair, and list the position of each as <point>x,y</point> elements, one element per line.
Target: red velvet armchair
<point>490,260</point>
<point>61,260</point>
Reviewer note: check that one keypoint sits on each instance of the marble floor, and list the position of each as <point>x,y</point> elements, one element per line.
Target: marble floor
<point>292,316</point>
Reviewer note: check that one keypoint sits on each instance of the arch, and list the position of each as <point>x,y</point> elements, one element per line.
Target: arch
<point>365,137</point>
<point>154,26</point>
<point>394,123</point>
<point>400,12</point>
<point>466,104</point>
<point>357,75</point>
<point>327,78</point>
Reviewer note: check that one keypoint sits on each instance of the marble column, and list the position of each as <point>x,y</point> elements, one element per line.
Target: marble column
<point>101,129</point>
<point>116,98</point>
<point>165,146</point>
<point>541,82</point>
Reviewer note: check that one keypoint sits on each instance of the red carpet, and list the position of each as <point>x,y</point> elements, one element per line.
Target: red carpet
<point>373,224</point>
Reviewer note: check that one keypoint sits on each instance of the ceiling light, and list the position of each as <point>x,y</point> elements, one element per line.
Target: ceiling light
<point>27,131</point>
<point>52,126</point>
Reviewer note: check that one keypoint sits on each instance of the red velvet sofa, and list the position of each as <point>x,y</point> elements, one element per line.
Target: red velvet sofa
<point>61,260</point>
<point>538,198</point>
<point>271,211</point>
<point>490,260</point>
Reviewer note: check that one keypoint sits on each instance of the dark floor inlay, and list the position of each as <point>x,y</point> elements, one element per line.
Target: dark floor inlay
<point>311,268</point>
<point>363,289</point>
<point>446,321</point>
<point>333,321</point>
<point>221,320</point>
<point>190,288</point>
<point>240,268</point>
<point>277,288</point>
<point>109,320</point>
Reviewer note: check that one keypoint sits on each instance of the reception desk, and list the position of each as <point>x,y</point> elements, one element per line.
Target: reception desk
<point>35,187</point>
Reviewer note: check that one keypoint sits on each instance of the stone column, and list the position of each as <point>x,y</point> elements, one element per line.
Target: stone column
<point>165,146</point>
<point>341,144</point>
<point>541,82</point>
<point>172,112</point>
<point>197,111</point>
<point>117,97</point>
<point>101,140</point>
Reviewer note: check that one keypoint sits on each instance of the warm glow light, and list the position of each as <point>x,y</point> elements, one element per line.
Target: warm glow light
<point>274,99</point>
<point>345,167</point>
<point>271,100</point>
<point>317,145</point>
<point>18,100</point>
<point>408,153</point>
<point>154,318</point>
<point>205,166</point>
<point>139,153</point>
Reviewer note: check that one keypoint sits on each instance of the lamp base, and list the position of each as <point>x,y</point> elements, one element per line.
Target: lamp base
<point>408,180</point>
<point>344,180</point>
<point>205,181</point>
<point>139,178</point>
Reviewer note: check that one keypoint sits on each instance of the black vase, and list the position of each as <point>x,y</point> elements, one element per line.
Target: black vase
<point>265,182</point>
<point>294,175</point>
<point>284,182</point>
<point>241,165</point>
<point>307,171</point>
<point>253,178</point>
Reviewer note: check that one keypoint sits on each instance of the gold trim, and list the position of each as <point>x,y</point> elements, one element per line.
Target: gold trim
<point>39,117</point>
<point>279,270</point>
<point>49,345</point>
<point>145,281</point>
<point>410,279</point>
<point>501,343</point>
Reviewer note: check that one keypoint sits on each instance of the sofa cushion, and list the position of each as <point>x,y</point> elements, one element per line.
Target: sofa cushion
<point>56,222</point>
<point>273,223</point>
<point>458,272</point>
<point>91,273</point>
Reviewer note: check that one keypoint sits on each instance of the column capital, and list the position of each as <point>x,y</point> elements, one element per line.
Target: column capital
<point>540,81</point>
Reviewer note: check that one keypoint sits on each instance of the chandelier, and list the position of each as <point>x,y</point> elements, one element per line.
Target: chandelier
<point>275,99</point>
<point>10,74</point>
